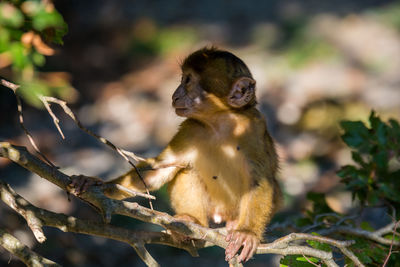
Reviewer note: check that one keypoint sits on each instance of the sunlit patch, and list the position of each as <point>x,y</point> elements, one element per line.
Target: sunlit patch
<point>217,218</point>
<point>71,221</point>
<point>216,101</point>
<point>197,100</point>
<point>159,178</point>
<point>191,155</point>
<point>228,150</point>
<point>240,126</point>
<point>169,159</point>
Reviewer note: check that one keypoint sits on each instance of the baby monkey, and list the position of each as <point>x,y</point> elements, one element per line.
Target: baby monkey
<point>221,164</point>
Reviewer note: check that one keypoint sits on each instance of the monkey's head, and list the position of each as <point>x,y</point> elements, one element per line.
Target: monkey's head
<point>213,80</point>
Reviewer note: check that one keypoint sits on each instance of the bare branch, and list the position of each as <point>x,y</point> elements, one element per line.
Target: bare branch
<point>145,255</point>
<point>19,206</point>
<point>375,236</point>
<point>25,254</point>
<point>72,224</point>
<point>125,154</point>
<point>109,206</point>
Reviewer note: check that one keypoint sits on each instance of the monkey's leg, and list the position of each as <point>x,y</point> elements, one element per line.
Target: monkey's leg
<point>189,197</point>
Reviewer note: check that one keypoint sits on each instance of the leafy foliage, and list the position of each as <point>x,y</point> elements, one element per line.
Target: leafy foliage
<point>373,179</point>
<point>376,151</point>
<point>27,28</point>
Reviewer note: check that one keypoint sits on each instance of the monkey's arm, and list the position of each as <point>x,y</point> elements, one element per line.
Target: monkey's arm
<point>256,209</point>
<point>154,171</point>
<point>153,178</point>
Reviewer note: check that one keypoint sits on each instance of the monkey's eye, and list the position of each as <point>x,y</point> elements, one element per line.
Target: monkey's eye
<point>187,79</point>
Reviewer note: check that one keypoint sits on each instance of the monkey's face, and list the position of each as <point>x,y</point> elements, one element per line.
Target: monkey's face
<point>212,83</point>
<point>189,98</point>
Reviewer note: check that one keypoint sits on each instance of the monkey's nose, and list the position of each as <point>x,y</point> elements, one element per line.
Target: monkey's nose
<point>175,98</point>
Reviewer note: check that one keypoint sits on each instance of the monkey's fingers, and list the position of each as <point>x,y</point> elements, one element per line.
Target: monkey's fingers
<point>249,248</point>
<point>228,237</point>
<point>234,245</point>
<point>80,183</point>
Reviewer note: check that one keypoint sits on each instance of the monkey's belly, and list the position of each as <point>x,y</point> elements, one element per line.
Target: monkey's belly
<point>190,195</point>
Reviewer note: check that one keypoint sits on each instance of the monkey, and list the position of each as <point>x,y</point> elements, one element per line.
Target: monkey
<point>221,164</point>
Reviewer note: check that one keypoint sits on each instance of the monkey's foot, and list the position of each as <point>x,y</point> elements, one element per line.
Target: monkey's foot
<point>80,183</point>
<point>238,239</point>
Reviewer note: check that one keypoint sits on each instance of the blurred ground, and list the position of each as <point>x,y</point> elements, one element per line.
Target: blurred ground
<point>315,63</point>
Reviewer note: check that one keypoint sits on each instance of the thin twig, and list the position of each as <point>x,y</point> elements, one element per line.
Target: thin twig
<point>123,153</point>
<point>129,191</point>
<point>313,263</point>
<point>360,233</point>
<point>391,244</point>
<point>55,119</point>
<point>14,88</point>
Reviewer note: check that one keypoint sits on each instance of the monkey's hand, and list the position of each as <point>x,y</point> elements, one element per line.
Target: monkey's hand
<point>238,239</point>
<point>80,183</point>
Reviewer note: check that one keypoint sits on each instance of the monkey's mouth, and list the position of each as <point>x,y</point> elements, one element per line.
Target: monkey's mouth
<point>180,111</point>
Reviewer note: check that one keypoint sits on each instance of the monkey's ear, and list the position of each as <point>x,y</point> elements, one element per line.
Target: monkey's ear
<point>242,92</point>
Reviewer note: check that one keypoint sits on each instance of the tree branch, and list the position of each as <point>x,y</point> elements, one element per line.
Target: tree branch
<point>375,236</point>
<point>108,206</point>
<point>25,254</point>
<point>65,223</point>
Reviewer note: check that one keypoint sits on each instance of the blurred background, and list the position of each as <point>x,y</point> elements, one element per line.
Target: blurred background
<point>315,63</point>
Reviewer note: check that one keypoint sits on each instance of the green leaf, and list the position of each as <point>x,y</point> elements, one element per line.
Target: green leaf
<point>395,126</point>
<point>357,158</point>
<point>355,133</point>
<point>381,159</point>
<point>318,245</point>
<point>43,20</point>
<point>296,261</point>
<point>373,119</point>
<point>59,34</point>
<point>312,259</point>
<point>363,257</point>
<point>10,15</point>
<point>4,39</point>
<point>38,59</point>
<point>381,133</point>
<point>30,91</point>
<point>366,226</point>
<point>18,55</point>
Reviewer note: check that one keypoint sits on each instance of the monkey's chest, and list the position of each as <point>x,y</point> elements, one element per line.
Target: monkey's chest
<point>223,171</point>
